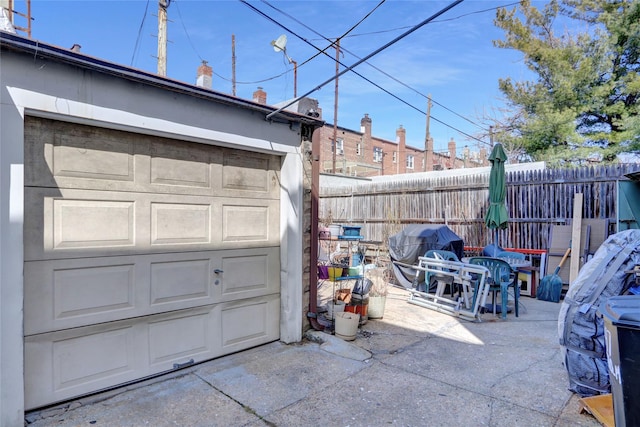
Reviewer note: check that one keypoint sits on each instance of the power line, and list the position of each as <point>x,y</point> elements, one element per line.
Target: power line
<point>397,29</point>
<point>355,72</point>
<point>187,32</point>
<point>323,51</point>
<point>435,21</point>
<point>377,51</point>
<point>135,49</point>
<point>382,71</point>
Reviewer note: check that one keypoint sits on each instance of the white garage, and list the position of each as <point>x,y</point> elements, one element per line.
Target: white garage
<point>150,238</point>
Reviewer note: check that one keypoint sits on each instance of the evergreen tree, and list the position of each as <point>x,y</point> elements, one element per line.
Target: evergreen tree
<point>583,105</point>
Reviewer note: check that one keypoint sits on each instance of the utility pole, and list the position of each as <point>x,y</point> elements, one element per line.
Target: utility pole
<point>162,36</point>
<point>428,134</point>
<point>295,77</point>
<point>335,107</point>
<point>491,136</point>
<point>233,64</point>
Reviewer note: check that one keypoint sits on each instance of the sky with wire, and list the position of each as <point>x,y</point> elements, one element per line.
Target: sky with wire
<point>451,58</point>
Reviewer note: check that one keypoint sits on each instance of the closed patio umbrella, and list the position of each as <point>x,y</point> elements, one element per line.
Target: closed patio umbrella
<point>497,215</point>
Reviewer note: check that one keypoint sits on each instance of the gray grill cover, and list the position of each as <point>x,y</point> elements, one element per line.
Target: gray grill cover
<point>580,328</point>
<point>414,241</point>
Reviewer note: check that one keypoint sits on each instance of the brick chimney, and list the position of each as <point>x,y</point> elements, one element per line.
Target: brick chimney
<point>260,96</point>
<point>205,73</point>
<point>452,154</point>
<point>365,126</point>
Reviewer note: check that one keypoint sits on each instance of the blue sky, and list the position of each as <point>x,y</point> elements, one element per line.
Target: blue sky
<point>452,58</point>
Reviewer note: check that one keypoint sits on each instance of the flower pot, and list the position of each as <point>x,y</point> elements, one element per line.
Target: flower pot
<point>323,272</point>
<point>376,306</point>
<point>346,325</point>
<point>359,304</point>
<point>334,272</point>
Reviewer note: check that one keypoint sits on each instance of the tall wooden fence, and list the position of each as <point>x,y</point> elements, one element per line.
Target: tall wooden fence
<point>536,200</point>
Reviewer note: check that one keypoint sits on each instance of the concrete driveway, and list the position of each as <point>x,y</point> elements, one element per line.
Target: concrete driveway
<point>413,367</point>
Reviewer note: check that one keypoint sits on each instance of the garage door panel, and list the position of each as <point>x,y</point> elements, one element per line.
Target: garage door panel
<point>90,358</point>
<point>64,223</point>
<point>250,222</point>
<point>173,281</point>
<point>59,152</point>
<point>65,364</point>
<point>83,223</point>
<point>91,223</point>
<point>249,323</point>
<point>70,293</point>
<point>68,155</point>
<point>62,294</point>
<point>89,291</point>
<point>105,158</point>
<point>69,364</point>
<point>180,164</point>
<point>173,223</point>
<point>250,275</point>
<point>177,339</point>
<point>250,173</point>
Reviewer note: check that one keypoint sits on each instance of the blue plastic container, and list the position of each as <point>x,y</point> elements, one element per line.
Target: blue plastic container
<point>350,230</point>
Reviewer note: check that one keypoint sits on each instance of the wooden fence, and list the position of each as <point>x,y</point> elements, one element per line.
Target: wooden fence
<point>536,200</point>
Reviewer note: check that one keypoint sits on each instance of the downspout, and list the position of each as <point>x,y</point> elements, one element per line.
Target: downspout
<point>315,200</point>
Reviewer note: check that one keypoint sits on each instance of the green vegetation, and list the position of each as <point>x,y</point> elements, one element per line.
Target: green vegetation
<point>584,104</point>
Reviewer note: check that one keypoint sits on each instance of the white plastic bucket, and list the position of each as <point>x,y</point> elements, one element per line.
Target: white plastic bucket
<point>346,325</point>
<point>335,307</point>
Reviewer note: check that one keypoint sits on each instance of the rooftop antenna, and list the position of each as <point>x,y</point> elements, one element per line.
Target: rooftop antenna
<point>280,45</point>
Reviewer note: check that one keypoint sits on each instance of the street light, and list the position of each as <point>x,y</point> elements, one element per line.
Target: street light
<point>280,45</point>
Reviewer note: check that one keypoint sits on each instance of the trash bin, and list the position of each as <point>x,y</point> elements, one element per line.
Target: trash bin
<point>621,315</point>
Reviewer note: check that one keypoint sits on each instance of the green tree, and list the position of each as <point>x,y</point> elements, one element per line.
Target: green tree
<point>583,104</point>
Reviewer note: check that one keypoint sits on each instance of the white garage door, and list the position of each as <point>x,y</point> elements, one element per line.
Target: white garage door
<point>142,254</point>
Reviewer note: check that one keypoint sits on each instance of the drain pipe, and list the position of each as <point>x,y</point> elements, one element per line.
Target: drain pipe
<point>312,314</point>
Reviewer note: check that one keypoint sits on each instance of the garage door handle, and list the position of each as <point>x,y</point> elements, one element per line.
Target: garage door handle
<point>183,365</point>
<point>218,271</point>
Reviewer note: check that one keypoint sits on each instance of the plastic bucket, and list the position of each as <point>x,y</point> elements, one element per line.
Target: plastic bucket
<point>334,272</point>
<point>323,272</point>
<point>376,307</point>
<point>335,307</point>
<point>346,325</point>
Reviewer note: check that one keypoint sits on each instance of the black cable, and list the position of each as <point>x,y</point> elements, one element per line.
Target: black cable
<point>377,51</point>
<point>185,30</point>
<point>323,51</point>
<point>358,74</point>
<point>135,49</point>
<point>376,68</point>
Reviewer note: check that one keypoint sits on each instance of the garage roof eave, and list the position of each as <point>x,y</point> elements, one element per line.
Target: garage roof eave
<point>18,43</point>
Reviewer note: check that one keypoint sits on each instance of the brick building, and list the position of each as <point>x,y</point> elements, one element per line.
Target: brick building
<point>359,153</point>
